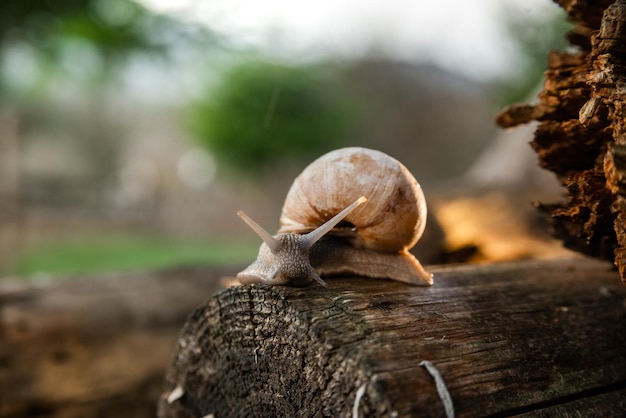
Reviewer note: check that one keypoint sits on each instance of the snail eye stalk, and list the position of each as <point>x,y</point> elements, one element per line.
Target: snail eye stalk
<point>267,238</point>
<point>314,236</point>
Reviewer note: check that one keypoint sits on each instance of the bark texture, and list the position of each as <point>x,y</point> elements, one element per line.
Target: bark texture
<point>582,132</point>
<point>508,339</point>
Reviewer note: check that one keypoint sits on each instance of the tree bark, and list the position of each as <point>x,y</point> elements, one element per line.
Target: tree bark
<point>582,132</point>
<point>506,338</point>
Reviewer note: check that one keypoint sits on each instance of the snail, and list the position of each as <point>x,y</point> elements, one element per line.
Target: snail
<point>352,211</point>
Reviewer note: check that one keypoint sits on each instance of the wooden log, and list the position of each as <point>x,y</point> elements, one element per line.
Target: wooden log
<point>543,337</point>
<point>96,346</point>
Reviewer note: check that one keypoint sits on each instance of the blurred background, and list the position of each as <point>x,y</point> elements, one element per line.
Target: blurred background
<point>132,131</point>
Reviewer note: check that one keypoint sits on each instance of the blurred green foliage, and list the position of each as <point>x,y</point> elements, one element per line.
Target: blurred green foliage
<point>97,254</point>
<point>95,36</point>
<point>263,113</point>
<point>113,26</point>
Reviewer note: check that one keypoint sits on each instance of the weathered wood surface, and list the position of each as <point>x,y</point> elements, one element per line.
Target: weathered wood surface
<point>532,338</point>
<point>95,347</point>
<point>581,136</point>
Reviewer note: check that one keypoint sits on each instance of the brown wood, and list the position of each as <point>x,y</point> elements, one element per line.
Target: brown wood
<point>582,132</point>
<point>512,338</point>
<point>96,346</point>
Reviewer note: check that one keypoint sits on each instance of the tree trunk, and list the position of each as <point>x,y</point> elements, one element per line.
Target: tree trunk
<point>582,134</point>
<point>506,338</point>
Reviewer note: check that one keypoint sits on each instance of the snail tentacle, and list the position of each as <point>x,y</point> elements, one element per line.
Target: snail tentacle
<point>315,235</point>
<point>267,238</point>
<point>284,258</point>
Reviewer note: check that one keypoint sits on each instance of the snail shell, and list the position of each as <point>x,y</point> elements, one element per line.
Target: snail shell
<point>362,209</point>
<point>392,220</point>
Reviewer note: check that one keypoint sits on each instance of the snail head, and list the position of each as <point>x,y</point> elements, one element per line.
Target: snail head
<point>284,258</point>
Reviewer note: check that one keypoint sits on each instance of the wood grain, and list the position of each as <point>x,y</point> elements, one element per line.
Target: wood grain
<point>507,339</point>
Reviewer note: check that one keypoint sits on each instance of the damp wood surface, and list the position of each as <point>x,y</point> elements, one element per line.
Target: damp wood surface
<point>525,338</point>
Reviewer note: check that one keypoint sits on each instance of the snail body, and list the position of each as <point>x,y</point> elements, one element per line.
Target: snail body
<point>351,211</point>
